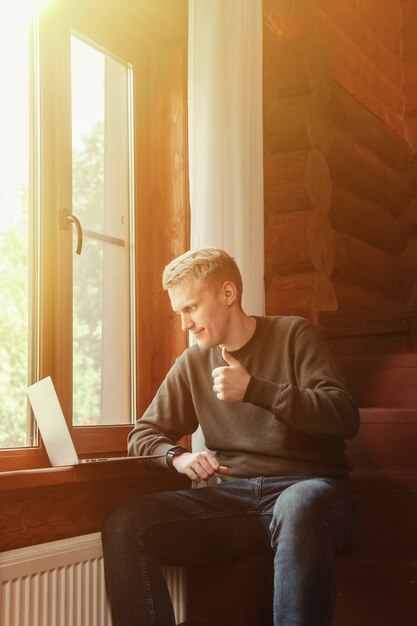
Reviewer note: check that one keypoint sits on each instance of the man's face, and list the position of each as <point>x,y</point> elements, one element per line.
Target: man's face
<point>204,312</point>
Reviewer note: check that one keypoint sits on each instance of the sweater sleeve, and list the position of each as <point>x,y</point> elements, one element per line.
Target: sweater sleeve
<point>318,404</point>
<point>169,417</point>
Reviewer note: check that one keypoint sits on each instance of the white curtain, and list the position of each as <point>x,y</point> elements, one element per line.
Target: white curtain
<point>225,135</point>
<point>225,138</point>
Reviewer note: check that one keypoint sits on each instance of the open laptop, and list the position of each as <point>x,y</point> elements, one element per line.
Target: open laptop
<point>54,430</point>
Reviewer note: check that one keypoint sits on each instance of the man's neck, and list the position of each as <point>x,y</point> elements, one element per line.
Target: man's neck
<point>241,332</point>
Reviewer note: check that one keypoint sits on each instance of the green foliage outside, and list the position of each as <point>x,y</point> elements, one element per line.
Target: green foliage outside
<point>14,330</point>
<point>88,175</point>
<point>88,205</point>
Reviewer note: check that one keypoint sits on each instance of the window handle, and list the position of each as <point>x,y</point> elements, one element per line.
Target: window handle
<point>68,218</point>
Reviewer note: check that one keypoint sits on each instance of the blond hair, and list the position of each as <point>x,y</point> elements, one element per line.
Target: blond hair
<point>209,267</point>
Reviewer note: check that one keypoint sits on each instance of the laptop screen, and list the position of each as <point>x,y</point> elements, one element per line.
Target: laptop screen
<point>51,423</point>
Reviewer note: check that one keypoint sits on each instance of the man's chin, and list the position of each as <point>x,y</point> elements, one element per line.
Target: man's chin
<point>204,343</point>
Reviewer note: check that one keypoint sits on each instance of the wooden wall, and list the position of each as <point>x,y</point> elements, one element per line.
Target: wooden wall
<point>340,181</point>
<point>409,57</point>
<point>163,219</point>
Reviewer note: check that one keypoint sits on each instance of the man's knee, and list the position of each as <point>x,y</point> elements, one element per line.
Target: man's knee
<point>300,510</point>
<point>132,518</point>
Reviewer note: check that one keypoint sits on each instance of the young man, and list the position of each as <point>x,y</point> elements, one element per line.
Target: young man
<point>275,414</point>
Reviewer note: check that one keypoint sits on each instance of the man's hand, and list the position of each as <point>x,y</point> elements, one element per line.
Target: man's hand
<point>198,465</point>
<point>230,382</point>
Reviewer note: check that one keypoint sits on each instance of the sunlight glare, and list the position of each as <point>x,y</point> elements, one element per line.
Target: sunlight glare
<point>18,11</point>
<point>16,18</point>
<point>15,58</point>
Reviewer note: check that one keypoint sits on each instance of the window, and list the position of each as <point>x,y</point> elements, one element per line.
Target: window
<point>18,229</point>
<point>97,322</point>
<point>103,389</point>
<point>66,122</point>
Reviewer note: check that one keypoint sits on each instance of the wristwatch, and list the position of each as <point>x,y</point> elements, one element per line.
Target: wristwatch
<point>173,452</point>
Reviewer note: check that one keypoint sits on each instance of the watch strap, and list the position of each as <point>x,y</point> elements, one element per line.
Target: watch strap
<point>172,453</point>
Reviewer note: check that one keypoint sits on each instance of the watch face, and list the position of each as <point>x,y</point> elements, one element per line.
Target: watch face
<point>173,453</point>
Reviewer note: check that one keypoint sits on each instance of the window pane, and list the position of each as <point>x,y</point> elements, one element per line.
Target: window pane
<point>16,232</point>
<point>101,275</point>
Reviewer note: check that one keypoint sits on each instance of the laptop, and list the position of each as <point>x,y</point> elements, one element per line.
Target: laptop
<point>54,429</point>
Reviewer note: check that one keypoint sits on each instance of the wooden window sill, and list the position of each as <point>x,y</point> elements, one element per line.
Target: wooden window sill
<point>47,504</point>
<point>46,476</point>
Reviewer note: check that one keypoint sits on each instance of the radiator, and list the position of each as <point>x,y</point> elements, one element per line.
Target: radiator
<point>62,584</point>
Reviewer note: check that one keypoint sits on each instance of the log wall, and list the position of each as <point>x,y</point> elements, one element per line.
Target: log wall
<point>340,170</point>
<point>409,64</point>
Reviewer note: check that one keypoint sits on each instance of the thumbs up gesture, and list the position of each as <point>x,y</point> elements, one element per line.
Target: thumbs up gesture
<point>231,381</point>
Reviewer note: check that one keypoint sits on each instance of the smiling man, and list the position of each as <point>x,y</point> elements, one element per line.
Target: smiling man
<point>274,414</point>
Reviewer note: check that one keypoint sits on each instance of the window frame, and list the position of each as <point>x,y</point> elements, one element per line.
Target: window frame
<point>150,68</point>
<point>56,163</point>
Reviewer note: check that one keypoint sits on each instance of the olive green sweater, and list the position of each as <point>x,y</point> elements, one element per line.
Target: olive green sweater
<point>292,421</point>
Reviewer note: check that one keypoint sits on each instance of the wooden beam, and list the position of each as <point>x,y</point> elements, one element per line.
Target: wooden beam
<point>365,266</point>
<point>409,11</point>
<point>358,59</point>
<point>277,20</point>
<point>293,67</point>
<point>299,242</point>
<point>356,216</point>
<point>367,129</point>
<point>361,304</point>
<point>297,122</point>
<point>412,171</point>
<point>358,52</point>
<point>410,215</point>
<point>340,27</point>
<point>347,20</point>
<point>285,128</point>
<point>163,215</point>
<point>301,294</point>
<point>296,181</point>
<point>359,170</point>
<point>386,23</point>
<point>409,72</point>
<point>410,99</point>
<point>411,129</point>
<point>409,43</point>
<point>409,258</point>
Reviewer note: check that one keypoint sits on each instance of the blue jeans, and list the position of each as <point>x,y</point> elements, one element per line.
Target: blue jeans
<point>304,521</point>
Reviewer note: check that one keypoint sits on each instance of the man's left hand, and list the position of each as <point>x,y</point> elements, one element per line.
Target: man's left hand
<point>230,382</point>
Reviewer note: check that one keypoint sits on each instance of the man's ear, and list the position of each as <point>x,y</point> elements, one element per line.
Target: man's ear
<point>229,292</point>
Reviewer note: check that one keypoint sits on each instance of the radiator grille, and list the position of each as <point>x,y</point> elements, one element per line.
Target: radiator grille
<point>62,584</point>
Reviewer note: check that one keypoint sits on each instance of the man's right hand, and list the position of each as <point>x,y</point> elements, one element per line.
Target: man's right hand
<point>198,465</point>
